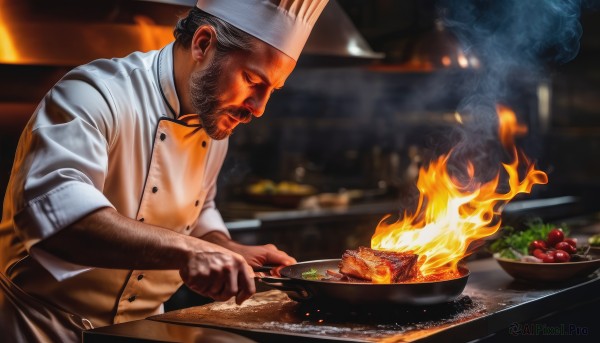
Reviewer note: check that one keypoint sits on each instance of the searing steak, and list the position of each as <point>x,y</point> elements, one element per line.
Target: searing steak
<point>366,263</point>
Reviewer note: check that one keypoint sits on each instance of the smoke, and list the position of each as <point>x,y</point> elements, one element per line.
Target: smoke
<point>516,41</point>
<point>516,34</point>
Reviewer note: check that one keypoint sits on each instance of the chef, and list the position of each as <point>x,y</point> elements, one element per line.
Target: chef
<point>110,205</point>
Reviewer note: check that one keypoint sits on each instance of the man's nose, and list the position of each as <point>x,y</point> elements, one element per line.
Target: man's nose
<point>257,103</point>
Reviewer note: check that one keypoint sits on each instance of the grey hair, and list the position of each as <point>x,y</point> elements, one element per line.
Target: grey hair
<point>229,38</point>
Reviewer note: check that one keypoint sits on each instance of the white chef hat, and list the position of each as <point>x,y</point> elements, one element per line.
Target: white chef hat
<point>283,24</point>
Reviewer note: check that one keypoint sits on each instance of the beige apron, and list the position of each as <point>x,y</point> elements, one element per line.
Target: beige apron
<point>172,198</point>
<point>35,321</point>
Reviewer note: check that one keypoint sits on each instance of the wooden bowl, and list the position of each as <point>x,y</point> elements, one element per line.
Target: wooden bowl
<point>595,250</point>
<point>548,272</point>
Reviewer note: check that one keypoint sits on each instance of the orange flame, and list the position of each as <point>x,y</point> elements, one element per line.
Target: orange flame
<point>450,215</point>
<point>8,50</point>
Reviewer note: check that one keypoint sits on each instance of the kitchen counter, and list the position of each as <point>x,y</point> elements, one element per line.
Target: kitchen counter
<point>241,216</point>
<point>492,302</point>
<point>244,216</point>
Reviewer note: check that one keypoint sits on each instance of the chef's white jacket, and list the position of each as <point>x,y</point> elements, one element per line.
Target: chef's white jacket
<point>108,134</point>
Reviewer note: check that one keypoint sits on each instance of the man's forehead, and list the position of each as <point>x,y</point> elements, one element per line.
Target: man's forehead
<point>268,63</point>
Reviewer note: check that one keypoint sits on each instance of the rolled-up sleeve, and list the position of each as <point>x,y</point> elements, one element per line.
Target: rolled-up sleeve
<point>210,219</point>
<point>62,160</point>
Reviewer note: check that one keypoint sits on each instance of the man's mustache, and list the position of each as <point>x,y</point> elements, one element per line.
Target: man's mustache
<point>241,114</point>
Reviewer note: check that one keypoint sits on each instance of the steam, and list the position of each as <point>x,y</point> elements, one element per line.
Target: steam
<point>517,42</point>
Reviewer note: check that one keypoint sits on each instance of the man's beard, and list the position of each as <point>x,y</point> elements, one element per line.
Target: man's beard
<point>203,93</point>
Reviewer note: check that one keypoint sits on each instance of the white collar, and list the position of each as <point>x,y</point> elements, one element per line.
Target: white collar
<point>166,80</point>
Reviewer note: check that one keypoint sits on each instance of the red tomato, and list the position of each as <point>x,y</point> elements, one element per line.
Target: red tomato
<point>548,258</point>
<point>572,242</point>
<point>539,253</point>
<point>538,245</point>
<point>555,236</point>
<point>562,256</point>
<point>564,246</point>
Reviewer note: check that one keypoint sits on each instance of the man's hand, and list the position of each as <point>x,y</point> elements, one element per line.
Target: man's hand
<point>255,255</point>
<point>259,255</point>
<point>219,274</point>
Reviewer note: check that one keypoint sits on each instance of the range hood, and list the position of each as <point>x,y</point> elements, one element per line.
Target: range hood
<point>73,32</point>
<point>335,36</point>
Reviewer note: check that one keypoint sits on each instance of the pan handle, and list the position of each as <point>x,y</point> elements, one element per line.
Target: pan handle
<point>292,289</point>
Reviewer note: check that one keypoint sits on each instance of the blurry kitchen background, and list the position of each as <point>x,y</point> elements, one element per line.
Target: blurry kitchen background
<point>377,94</point>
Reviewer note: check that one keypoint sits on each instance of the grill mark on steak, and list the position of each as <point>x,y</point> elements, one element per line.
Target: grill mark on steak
<point>366,263</point>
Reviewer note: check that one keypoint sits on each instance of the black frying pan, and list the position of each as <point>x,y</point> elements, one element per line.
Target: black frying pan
<point>357,293</point>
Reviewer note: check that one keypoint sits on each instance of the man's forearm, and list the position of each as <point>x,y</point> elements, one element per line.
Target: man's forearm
<point>109,240</point>
<point>217,237</point>
<point>256,256</point>
<point>106,239</point>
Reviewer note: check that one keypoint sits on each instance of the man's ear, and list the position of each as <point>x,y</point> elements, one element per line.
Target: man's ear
<point>204,43</point>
